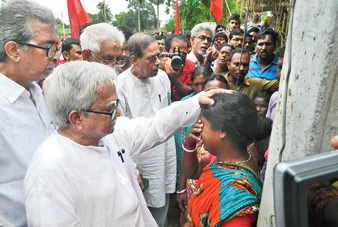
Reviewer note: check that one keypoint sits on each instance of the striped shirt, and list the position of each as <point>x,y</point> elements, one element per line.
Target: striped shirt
<point>269,73</point>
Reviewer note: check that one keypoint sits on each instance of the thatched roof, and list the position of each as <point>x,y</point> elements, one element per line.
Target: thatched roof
<point>264,5</point>
<point>280,10</point>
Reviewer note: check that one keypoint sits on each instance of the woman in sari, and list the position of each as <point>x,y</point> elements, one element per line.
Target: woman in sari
<point>228,191</point>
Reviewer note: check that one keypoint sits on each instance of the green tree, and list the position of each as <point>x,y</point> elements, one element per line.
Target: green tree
<point>158,3</point>
<point>170,26</point>
<point>59,27</point>
<point>94,17</point>
<point>130,18</point>
<point>105,14</point>
<point>193,12</point>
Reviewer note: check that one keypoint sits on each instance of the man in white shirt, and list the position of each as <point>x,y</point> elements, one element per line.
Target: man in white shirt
<point>201,38</point>
<point>144,89</point>
<point>102,43</point>
<point>82,174</point>
<point>27,47</point>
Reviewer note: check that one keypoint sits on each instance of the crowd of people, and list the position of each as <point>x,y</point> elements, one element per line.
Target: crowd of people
<point>101,130</point>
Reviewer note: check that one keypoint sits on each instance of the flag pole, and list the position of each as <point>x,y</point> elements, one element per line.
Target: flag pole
<point>104,11</point>
<point>226,3</point>
<point>63,25</point>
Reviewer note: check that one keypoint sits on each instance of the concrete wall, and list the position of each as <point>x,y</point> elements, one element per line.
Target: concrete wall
<point>312,106</point>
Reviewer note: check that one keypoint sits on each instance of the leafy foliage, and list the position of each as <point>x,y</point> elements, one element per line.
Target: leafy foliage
<point>59,27</point>
<point>170,26</point>
<point>147,16</point>
<point>193,12</point>
<point>94,17</point>
<point>101,16</point>
<point>157,3</point>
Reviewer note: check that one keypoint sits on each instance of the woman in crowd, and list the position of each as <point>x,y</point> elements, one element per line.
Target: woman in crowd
<point>223,56</point>
<point>261,100</point>
<point>187,186</point>
<point>197,79</point>
<point>228,191</point>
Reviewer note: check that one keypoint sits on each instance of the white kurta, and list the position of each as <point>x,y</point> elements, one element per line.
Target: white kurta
<point>24,124</point>
<point>72,185</point>
<point>143,98</point>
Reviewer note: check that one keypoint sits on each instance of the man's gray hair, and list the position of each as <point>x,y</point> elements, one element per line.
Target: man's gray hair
<point>93,35</point>
<point>138,42</point>
<point>16,18</point>
<point>73,86</point>
<point>202,27</point>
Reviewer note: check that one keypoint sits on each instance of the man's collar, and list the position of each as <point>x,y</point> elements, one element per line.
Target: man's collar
<point>10,89</point>
<point>246,81</point>
<point>191,56</point>
<point>254,58</point>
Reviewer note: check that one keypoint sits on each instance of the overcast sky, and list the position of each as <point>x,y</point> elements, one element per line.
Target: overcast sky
<point>116,6</point>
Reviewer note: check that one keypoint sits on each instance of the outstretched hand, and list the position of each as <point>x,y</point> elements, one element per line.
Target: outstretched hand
<point>204,98</point>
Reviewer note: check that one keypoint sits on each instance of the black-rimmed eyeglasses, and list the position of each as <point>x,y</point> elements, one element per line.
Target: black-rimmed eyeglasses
<point>50,50</point>
<point>203,37</point>
<point>107,60</point>
<point>111,114</point>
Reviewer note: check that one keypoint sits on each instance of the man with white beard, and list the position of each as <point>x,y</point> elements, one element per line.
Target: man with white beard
<point>201,38</point>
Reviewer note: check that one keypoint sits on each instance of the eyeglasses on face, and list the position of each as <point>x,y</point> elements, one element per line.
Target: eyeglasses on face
<point>107,59</point>
<point>154,58</point>
<point>203,37</point>
<point>111,114</point>
<point>50,50</point>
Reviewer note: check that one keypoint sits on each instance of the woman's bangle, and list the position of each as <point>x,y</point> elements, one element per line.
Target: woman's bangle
<point>180,192</point>
<point>187,150</point>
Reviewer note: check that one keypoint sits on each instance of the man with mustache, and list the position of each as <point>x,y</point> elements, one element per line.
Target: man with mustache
<point>236,37</point>
<point>124,62</point>
<point>28,45</point>
<point>143,90</point>
<point>201,38</point>
<point>264,64</point>
<point>238,80</point>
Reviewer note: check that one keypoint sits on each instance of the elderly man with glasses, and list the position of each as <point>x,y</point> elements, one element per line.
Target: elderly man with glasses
<point>102,43</point>
<point>143,90</point>
<point>201,38</point>
<point>82,174</point>
<point>27,48</point>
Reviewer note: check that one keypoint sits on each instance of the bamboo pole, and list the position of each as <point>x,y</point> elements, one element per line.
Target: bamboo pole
<point>104,11</point>
<point>226,3</point>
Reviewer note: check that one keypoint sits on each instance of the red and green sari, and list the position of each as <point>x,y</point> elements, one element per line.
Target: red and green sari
<point>224,191</point>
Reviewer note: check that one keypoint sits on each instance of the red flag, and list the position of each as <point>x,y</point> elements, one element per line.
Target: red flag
<point>216,7</point>
<point>177,26</point>
<point>77,17</point>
